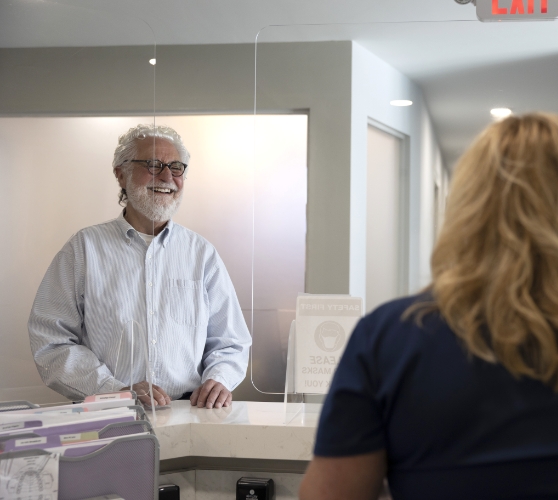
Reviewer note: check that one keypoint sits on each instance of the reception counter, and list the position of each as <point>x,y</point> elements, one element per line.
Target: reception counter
<point>205,451</point>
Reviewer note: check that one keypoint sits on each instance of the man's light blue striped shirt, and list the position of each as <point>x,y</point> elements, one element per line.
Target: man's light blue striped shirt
<point>177,294</point>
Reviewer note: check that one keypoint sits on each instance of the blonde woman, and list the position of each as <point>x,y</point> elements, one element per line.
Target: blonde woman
<point>452,394</point>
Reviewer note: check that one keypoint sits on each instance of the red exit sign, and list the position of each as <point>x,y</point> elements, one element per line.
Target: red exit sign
<point>517,10</point>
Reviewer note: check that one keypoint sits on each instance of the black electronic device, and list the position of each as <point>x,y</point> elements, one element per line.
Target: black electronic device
<point>255,488</point>
<point>169,492</point>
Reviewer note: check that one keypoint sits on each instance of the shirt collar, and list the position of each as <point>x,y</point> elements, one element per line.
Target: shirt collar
<point>128,230</point>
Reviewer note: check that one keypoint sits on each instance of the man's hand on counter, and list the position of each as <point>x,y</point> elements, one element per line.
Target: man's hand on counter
<point>161,398</point>
<point>211,394</point>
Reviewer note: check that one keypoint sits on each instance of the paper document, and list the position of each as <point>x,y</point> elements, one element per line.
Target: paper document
<point>19,425</point>
<point>74,427</point>
<point>111,396</point>
<point>10,417</point>
<point>82,449</point>
<point>29,478</point>
<point>76,408</point>
<point>323,326</point>
<point>45,442</point>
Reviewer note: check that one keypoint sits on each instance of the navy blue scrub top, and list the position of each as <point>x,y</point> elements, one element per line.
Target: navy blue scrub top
<point>454,427</point>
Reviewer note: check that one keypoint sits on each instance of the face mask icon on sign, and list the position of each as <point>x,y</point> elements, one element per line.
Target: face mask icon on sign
<point>329,336</point>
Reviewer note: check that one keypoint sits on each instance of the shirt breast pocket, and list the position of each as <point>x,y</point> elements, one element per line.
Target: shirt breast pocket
<point>186,301</point>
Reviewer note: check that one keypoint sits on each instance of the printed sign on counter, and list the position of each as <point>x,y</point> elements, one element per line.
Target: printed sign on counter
<point>323,326</point>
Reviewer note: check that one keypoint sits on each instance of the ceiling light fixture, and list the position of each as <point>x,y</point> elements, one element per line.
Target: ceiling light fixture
<point>401,102</point>
<point>153,62</point>
<point>500,113</point>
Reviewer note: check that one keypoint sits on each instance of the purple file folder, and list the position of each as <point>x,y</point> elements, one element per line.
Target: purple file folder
<point>57,430</point>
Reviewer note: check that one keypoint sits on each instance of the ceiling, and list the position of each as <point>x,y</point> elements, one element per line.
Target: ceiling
<point>463,66</point>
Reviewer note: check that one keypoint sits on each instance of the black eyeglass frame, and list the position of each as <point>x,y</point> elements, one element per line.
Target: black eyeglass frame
<point>157,170</point>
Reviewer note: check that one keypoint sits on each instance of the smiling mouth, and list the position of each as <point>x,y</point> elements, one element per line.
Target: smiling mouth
<point>161,190</point>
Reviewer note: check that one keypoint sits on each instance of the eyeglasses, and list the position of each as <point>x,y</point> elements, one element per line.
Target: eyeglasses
<point>155,167</point>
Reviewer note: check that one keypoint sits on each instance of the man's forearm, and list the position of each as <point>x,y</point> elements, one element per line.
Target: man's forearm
<point>74,371</point>
<point>227,366</point>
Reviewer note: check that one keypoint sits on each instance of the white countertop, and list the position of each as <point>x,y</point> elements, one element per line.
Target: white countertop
<point>251,430</point>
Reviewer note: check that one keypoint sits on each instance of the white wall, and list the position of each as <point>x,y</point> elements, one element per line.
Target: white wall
<point>374,84</point>
<point>383,218</point>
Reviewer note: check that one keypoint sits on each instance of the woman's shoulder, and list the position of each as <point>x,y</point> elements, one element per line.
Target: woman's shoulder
<point>402,323</point>
<point>410,310</point>
<point>401,303</point>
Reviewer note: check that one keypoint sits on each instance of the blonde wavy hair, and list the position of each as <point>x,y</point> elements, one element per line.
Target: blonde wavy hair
<point>495,264</point>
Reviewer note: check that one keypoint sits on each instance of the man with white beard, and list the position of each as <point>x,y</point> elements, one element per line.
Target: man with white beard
<point>141,295</point>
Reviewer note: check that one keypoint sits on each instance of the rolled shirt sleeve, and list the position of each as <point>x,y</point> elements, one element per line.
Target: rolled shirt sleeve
<point>56,332</point>
<point>226,353</point>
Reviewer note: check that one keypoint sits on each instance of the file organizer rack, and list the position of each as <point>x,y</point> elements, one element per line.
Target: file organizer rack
<point>118,429</point>
<point>128,467</point>
<point>125,429</point>
<point>140,412</point>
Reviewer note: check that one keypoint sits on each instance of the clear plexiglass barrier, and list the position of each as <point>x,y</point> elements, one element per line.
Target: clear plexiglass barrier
<point>347,218</point>
<point>148,310</point>
<point>62,109</point>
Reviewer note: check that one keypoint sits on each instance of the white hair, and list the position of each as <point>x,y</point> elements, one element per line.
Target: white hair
<point>127,143</point>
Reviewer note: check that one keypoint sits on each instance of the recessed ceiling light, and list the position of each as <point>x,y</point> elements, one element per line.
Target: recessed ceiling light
<point>153,61</point>
<point>401,102</point>
<point>500,113</point>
